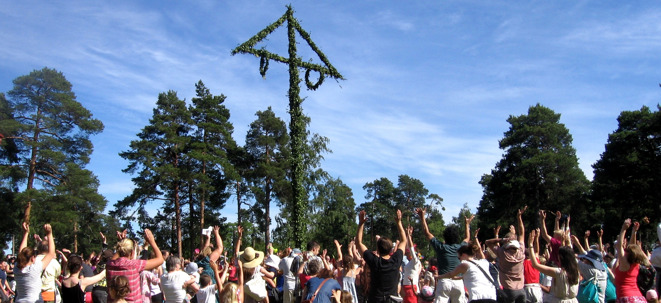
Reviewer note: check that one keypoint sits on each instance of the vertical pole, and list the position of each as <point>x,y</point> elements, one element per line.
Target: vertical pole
<point>297,128</point>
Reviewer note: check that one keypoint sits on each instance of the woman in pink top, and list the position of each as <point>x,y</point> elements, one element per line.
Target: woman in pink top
<point>626,268</point>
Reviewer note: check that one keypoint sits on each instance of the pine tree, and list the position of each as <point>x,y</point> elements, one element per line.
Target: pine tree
<point>539,168</point>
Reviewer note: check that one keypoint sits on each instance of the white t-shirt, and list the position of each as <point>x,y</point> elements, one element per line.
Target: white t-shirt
<point>478,284</point>
<point>207,294</point>
<point>290,278</point>
<point>28,283</point>
<point>173,286</point>
<point>412,271</point>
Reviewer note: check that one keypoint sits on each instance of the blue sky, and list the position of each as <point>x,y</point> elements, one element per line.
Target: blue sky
<point>429,84</point>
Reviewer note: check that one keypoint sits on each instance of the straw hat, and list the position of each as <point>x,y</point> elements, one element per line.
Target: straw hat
<point>251,258</point>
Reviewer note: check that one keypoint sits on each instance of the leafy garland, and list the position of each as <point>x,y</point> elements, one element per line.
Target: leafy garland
<point>315,85</point>
<point>297,124</point>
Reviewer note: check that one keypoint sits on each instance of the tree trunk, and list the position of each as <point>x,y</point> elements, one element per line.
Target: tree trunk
<point>202,201</point>
<point>33,157</point>
<point>238,203</point>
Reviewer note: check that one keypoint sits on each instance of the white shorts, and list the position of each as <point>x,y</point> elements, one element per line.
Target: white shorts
<point>450,291</point>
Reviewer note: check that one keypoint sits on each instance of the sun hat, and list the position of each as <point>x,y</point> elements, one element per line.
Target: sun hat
<point>595,257</point>
<point>513,244</point>
<point>427,291</point>
<point>191,268</point>
<point>651,295</point>
<point>251,258</point>
<point>295,252</point>
<point>273,261</point>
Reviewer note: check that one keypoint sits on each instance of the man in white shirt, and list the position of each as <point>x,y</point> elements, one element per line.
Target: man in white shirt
<point>51,272</point>
<point>290,277</point>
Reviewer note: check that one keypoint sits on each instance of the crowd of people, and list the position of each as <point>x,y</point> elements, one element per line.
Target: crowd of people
<point>511,268</point>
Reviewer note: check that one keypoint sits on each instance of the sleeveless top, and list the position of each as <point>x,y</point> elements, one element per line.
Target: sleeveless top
<point>626,282</point>
<point>73,294</point>
<point>349,284</point>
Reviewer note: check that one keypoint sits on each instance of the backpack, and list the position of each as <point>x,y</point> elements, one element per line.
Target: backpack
<point>645,278</point>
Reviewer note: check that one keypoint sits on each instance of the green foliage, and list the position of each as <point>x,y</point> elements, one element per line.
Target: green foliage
<point>330,219</point>
<point>298,122</point>
<point>539,168</point>
<point>158,158</point>
<point>46,147</point>
<point>628,174</point>
<point>383,201</point>
<point>267,145</point>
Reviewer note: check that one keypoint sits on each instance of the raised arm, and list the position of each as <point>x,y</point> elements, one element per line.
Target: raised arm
<point>158,256</point>
<point>26,233</point>
<point>422,214</point>
<point>532,255</point>
<point>51,246</point>
<point>338,248</point>
<point>237,245</point>
<point>600,235</point>
<point>545,234</point>
<point>521,229</point>
<point>586,239</point>
<point>536,236</point>
<point>402,232</point>
<point>621,259</point>
<point>359,235</point>
<point>215,254</point>
<point>578,245</point>
<point>634,233</point>
<point>467,227</point>
<point>558,215</point>
<point>480,252</point>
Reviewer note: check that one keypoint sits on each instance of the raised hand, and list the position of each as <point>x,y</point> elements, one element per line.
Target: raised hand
<point>587,233</point>
<point>542,214</point>
<point>26,226</point>
<point>362,217</point>
<point>476,232</point>
<point>521,211</point>
<point>421,212</point>
<point>48,229</point>
<point>399,216</point>
<point>636,226</point>
<point>626,224</point>
<point>469,220</point>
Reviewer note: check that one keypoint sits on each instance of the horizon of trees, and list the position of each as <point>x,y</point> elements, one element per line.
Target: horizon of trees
<point>187,160</point>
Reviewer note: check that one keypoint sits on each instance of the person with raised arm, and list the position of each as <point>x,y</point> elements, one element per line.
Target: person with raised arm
<point>384,268</point>
<point>412,269</point>
<point>474,271</point>
<point>510,256</point>
<point>28,270</point>
<point>347,272</point>
<point>447,290</point>
<point>628,263</point>
<point>125,263</point>
<point>208,256</point>
<point>558,236</point>
<point>591,267</point>
<point>73,287</point>
<point>564,286</point>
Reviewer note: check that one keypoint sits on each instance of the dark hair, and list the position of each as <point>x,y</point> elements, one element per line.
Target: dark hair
<point>469,249</point>
<point>569,264</point>
<point>312,245</point>
<point>451,234</point>
<point>74,263</point>
<point>205,280</point>
<point>120,285</point>
<point>347,262</point>
<point>383,246</point>
<point>42,247</point>
<point>24,256</point>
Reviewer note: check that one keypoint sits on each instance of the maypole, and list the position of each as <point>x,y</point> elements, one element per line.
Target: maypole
<point>297,122</point>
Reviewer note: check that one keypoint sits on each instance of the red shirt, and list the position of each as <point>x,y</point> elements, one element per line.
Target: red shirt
<point>131,269</point>
<point>530,274</point>
<point>625,282</point>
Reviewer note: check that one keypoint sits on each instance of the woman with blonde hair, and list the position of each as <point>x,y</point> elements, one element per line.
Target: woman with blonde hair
<point>124,263</point>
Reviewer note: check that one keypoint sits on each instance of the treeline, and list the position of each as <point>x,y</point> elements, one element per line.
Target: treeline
<point>186,164</point>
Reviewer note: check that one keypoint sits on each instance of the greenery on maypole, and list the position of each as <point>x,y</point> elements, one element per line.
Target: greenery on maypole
<point>297,124</point>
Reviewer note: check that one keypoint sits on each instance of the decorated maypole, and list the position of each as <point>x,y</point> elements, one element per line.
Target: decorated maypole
<point>297,122</point>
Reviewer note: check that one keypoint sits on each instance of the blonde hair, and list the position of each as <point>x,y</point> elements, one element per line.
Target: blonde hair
<point>229,293</point>
<point>206,252</point>
<point>125,247</point>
